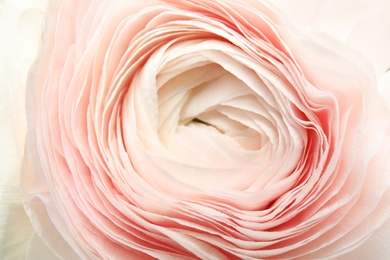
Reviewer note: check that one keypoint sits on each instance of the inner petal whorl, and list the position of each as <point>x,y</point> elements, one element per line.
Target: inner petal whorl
<point>201,108</point>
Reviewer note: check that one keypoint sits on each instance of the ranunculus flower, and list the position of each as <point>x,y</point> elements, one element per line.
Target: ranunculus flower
<point>219,129</point>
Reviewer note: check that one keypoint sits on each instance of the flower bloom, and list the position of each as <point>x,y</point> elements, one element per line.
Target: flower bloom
<point>201,129</point>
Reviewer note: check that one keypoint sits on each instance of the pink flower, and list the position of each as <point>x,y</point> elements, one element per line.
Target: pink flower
<point>203,129</point>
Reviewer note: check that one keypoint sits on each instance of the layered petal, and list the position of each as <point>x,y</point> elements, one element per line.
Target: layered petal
<point>198,129</point>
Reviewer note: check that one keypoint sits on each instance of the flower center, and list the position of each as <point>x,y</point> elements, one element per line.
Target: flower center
<point>201,98</point>
<point>205,112</point>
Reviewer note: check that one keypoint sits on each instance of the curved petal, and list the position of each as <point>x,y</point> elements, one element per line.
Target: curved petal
<point>376,247</point>
<point>38,250</point>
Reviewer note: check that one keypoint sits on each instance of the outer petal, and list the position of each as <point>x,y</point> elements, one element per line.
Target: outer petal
<point>20,22</point>
<point>371,36</point>
<point>376,247</point>
<point>362,24</point>
<point>384,87</point>
<point>36,249</point>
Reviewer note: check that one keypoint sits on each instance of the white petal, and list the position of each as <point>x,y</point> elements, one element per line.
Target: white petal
<point>371,37</point>
<point>53,237</point>
<point>362,24</point>
<point>334,17</point>
<point>14,225</point>
<point>17,51</point>
<point>384,87</point>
